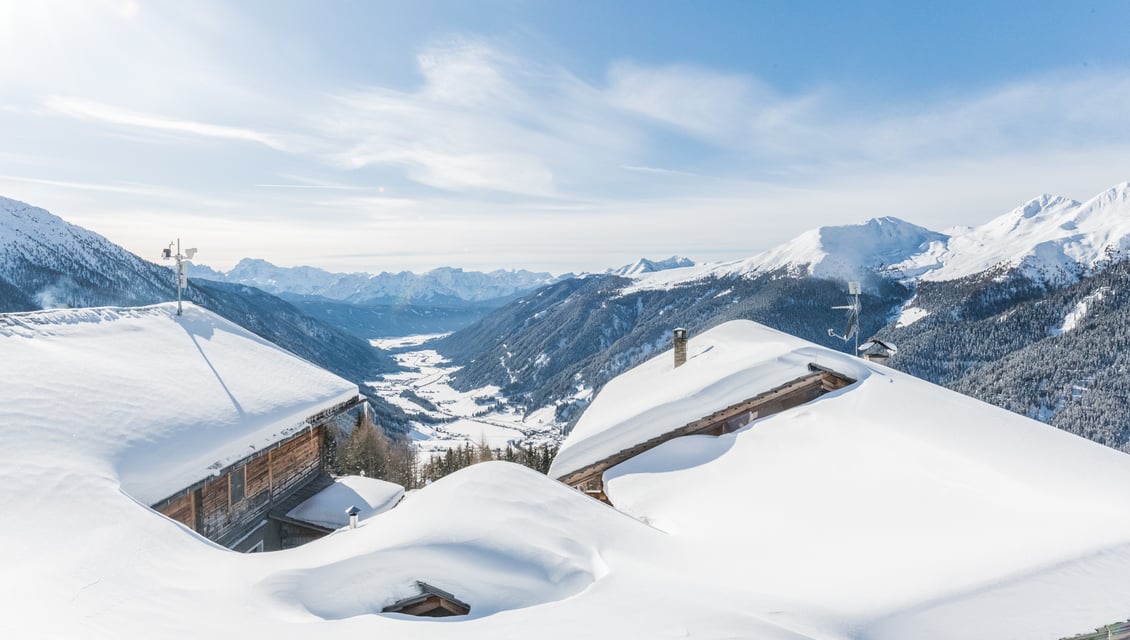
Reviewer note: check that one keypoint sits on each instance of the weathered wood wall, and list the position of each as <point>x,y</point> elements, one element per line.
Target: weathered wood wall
<point>180,509</point>
<point>268,476</point>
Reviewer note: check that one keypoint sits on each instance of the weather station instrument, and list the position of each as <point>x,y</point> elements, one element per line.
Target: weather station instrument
<point>182,279</point>
<point>853,307</point>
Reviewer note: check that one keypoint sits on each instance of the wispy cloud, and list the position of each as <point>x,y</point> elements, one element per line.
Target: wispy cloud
<point>99,112</point>
<point>129,189</point>
<point>491,156</point>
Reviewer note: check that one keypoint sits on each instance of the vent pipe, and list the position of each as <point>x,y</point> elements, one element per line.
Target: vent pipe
<point>680,347</point>
<point>352,512</point>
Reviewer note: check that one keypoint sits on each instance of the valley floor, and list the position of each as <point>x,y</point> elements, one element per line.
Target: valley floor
<point>477,416</point>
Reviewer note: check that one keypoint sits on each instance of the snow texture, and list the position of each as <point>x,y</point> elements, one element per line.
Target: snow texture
<point>721,369</point>
<point>328,507</point>
<point>888,509</point>
<point>163,400</point>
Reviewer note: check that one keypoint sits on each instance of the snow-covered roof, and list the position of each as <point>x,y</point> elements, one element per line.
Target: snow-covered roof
<point>164,400</point>
<point>879,345</point>
<point>889,509</point>
<point>725,365</point>
<point>327,508</point>
<point>894,507</point>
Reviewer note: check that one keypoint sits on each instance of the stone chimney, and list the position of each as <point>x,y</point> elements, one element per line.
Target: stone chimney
<point>680,347</point>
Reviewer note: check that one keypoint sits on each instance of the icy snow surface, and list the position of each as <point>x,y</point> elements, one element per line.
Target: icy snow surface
<point>328,507</point>
<point>888,509</point>
<point>721,369</point>
<point>163,400</point>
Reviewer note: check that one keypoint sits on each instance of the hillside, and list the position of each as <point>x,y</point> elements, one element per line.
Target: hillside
<point>974,309</point>
<point>46,262</point>
<point>550,347</point>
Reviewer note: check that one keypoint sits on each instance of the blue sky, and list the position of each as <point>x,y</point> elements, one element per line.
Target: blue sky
<point>549,135</point>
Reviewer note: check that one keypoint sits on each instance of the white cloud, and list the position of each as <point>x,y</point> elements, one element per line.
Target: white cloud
<point>494,159</point>
<point>94,111</point>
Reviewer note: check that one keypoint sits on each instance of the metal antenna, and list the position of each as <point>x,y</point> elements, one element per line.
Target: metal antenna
<point>182,279</point>
<point>853,308</point>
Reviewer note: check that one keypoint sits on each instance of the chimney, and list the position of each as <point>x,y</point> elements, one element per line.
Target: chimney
<point>352,512</point>
<point>680,347</point>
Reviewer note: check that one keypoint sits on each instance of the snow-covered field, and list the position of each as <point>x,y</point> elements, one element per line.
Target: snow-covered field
<point>476,416</point>
<point>889,509</point>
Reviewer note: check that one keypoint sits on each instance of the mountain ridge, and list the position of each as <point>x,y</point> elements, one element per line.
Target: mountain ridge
<point>443,284</point>
<point>958,332</point>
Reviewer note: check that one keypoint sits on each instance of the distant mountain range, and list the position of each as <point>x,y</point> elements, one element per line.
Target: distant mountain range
<point>643,265</point>
<point>1028,311</point>
<point>1049,239</point>
<point>446,285</point>
<point>397,304</point>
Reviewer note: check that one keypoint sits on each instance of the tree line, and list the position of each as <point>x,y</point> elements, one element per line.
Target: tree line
<point>368,450</point>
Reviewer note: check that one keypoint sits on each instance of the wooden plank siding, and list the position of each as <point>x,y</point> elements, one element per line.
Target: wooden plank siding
<point>269,476</point>
<point>806,388</point>
<point>181,510</point>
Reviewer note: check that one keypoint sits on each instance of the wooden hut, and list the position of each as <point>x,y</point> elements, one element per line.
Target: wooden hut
<point>244,506</point>
<point>876,350</point>
<point>718,358</point>
<point>431,602</point>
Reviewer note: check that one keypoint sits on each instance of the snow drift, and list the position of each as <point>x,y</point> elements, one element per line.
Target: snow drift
<point>888,509</point>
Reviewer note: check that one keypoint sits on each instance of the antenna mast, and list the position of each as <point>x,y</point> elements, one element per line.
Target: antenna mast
<point>182,279</point>
<point>853,307</point>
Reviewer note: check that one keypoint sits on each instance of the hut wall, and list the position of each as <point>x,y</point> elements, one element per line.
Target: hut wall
<point>226,508</point>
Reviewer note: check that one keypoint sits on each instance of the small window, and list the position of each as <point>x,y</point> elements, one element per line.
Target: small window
<point>236,479</point>
<point>258,548</point>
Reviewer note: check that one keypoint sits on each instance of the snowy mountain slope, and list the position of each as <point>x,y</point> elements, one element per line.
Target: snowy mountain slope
<point>445,284</point>
<point>55,263</point>
<point>1047,239</point>
<point>1058,356</point>
<point>863,509</point>
<point>544,348</point>
<point>848,252</point>
<point>526,348</point>
<point>643,265</point>
<point>46,262</point>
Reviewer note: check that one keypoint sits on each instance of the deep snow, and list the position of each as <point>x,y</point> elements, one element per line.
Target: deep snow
<point>328,507</point>
<point>888,509</point>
